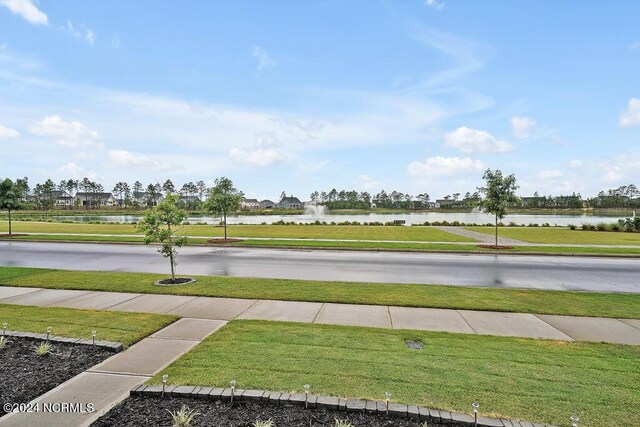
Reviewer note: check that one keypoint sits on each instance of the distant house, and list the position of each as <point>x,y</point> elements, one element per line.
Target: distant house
<point>94,199</point>
<point>266,204</point>
<point>290,203</point>
<point>443,203</point>
<point>60,198</point>
<point>249,204</point>
<point>145,198</point>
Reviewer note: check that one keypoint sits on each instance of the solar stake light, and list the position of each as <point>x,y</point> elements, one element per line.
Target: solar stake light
<point>165,377</point>
<point>475,406</point>
<point>4,328</point>
<point>306,395</point>
<point>574,421</point>
<point>93,336</point>
<point>49,330</point>
<point>387,396</point>
<point>233,388</point>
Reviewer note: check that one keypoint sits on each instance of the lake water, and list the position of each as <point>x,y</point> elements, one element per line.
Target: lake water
<point>410,218</point>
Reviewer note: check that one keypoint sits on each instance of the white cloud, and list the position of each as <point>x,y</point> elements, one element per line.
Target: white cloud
<point>522,126</point>
<point>631,117</point>
<point>475,141</point>
<point>263,58</point>
<point>575,164</point>
<point>8,133</point>
<point>550,174</point>
<point>81,33</point>
<point>367,183</point>
<point>444,166</point>
<point>122,159</point>
<point>634,46</point>
<point>256,157</point>
<point>436,4</point>
<point>27,10</point>
<point>68,134</point>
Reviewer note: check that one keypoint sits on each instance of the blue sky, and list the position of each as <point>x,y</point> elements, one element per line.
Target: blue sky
<point>413,95</point>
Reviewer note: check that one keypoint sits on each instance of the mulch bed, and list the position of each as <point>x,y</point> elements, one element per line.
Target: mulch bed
<point>495,247</point>
<point>25,376</point>
<point>146,411</point>
<point>12,235</point>
<point>219,241</point>
<point>176,281</point>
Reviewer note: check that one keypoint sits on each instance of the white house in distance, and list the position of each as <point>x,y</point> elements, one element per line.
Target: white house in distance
<point>249,204</point>
<point>94,199</point>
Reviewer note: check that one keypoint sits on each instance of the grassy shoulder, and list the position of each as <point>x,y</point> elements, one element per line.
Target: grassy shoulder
<point>408,295</point>
<point>353,232</point>
<point>536,380</point>
<point>126,328</point>
<point>563,235</point>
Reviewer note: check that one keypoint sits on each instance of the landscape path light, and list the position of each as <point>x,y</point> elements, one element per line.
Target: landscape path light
<point>475,406</point>
<point>49,330</point>
<point>306,395</point>
<point>4,328</point>
<point>233,388</point>
<point>165,377</point>
<point>574,421</point>
<point>387,396</point>
<point>93,336</point>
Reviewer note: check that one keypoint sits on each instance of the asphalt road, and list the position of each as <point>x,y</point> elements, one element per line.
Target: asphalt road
<point>502,271</point>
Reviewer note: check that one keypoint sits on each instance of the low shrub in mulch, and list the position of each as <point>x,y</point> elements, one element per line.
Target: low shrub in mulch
<point>25,375</point>
<point>176,281</point>
<point>221,241</point>
<point>146,411</point>
<point>495,247</point>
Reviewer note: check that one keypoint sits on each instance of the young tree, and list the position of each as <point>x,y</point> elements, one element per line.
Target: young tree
<point>10,197</point>
<point>223,199</point>
<point>158,226</point>
<point>499,193</point>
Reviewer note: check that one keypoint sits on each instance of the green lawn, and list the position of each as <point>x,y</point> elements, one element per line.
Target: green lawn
<point>535,380</point>
<point>563,235</point>
<point>410,295</point>
<point>284,231</point>
<point>126,328</point>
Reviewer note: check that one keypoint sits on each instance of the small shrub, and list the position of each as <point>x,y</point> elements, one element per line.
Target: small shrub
<point>512,224</point>
<point>183,417</point>
<point>3,342</point>
<point>572,227</point>
<point>43,349</point>
<point>601,226</point>
<point>614,227</point>
<point>268,423</point>
<point>343,423</point>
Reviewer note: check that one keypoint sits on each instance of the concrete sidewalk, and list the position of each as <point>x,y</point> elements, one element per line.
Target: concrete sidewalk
<point>566,328</point>
<point>109,382</point>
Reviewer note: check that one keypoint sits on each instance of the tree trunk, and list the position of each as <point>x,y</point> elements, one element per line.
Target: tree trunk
<point>496,230</point>
<point>173,273</point>
<point>225,225</point>
<point>9,221</point>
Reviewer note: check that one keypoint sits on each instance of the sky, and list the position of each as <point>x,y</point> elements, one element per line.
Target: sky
<point>296,96</point>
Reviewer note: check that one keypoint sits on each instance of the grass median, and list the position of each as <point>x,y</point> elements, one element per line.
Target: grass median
<point>536,380</point>
<point>562,235</point>
<point>126,328</point>
<point>407,295</point>
<point>353,232</point>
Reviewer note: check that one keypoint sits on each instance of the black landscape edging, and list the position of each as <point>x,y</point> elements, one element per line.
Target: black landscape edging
<point>327,402</point>
<point>111,345</point>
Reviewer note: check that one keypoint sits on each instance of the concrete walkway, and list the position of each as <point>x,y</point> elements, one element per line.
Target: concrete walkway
<point>481,237</point>
<point>109,382</point>
<point>566,328</point>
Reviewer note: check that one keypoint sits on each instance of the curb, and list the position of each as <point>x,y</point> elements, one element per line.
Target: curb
<point>111,345</point>
<point>328,402</point>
